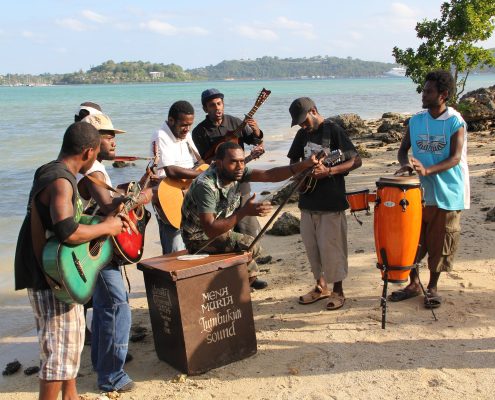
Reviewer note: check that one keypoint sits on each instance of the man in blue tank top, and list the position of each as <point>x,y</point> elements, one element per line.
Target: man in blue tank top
<point>437,137</point>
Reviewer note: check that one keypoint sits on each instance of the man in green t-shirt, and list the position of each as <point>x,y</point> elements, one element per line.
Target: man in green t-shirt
<point>212,207</point>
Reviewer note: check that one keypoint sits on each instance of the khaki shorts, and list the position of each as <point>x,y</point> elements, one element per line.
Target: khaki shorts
<point>440,234</point>
<point>324,235</point>
<point>60,328</point>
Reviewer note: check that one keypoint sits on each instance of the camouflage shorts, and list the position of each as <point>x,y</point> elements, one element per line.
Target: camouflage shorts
<point>227,243</point>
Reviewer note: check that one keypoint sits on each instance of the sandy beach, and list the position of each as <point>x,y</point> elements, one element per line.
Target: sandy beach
<point>306,352</point>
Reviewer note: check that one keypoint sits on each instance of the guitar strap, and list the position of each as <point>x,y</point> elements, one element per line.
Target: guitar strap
<point>194,152</point>
<point>326,140</point>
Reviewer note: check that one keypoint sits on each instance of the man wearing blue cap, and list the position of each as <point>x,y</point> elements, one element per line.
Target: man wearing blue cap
<point>209,133</point>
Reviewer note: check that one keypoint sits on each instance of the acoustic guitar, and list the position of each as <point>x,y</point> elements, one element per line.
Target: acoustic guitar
<point>171,192</point>
<point>129,245</point>
<point>234,135</point>
<point>74,268</point>
<point>335,157</point>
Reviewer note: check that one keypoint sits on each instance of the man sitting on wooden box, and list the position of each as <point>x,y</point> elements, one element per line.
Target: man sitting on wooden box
<point>212,208</point>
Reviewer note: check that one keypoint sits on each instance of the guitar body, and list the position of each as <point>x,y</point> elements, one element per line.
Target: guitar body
<point>129,245</point>
<point>74,268</point>
<point>171,195</point>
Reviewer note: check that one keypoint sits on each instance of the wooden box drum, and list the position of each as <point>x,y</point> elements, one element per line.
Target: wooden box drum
<point>358,200</point>
<point>397,225</point>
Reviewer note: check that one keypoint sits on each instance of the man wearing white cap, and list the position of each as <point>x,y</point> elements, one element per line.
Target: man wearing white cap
<point>111,311</point>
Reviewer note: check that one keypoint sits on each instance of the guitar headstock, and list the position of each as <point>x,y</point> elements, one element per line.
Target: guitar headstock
<point>335,157</point>
<point>262,97</point>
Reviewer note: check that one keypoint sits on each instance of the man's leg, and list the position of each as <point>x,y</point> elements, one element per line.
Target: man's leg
<point>60,328</point>
<point>111,328</point>
<point>170,238</point>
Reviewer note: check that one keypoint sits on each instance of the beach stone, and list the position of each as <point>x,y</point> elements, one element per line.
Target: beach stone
<point>389,137</point>
<point>352,124</point>
<point>120,164</point>
<point>388,125</point>
<point>478,105</point>
<point>363,152</point>
<point>490,215</point>
<point>11,368</point>
<point>286,225</point>
<point>281,195</point>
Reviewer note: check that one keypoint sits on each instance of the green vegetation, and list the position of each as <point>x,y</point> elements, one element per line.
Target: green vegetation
<point>292,68</point>
<point>261,68</point>
<point>450,43</point>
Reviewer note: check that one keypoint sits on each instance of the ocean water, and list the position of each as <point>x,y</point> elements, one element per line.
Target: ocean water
<point>33,120</point>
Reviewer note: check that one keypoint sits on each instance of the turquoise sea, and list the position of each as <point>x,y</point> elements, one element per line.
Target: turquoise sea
<point>33,120</point>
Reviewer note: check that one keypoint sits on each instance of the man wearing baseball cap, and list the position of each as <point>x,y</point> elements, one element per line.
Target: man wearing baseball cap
<point>323,220</point>
<point>111,311</point>
<point>209,133</point>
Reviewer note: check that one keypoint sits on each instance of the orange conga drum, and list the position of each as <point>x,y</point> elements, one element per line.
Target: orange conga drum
<point>358,200</point>
<point>397,225</point>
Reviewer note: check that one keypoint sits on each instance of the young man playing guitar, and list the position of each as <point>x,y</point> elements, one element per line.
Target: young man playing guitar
<point>214,129</point>
<point>111,311</point>
<point>177,157</point>
<point>323,221</point>
<point>55,208</point>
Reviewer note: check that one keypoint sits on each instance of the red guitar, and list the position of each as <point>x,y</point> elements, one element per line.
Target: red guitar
<point>128,246</point>
<point>236,134</point>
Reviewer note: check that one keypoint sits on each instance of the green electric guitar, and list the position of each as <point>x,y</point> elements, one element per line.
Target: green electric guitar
<point>72,270</point>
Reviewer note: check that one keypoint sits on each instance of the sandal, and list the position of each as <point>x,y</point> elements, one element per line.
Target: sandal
<point>314,295</point>
<point>402,294</point>
<point>336,301</point>
<point>432,301</point>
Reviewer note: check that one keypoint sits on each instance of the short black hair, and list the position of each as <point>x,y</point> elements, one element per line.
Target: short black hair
<point>78,137</point>
<point>224,147</point>
<point>180,107</point>
<point>444,81</point>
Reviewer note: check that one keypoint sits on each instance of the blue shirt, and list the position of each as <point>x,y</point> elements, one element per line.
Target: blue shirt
<point>430,143</point>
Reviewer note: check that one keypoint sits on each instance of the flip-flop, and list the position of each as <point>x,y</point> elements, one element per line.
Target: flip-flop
<point>336,301</point>
<point>432,301</point>
<point>314,295</point>
<point>402,294</point>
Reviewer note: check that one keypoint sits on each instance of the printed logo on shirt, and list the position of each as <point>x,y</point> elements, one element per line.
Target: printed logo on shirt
<point>431,143</point>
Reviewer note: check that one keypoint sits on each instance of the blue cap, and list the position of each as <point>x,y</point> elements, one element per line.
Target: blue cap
<point>209,94</point>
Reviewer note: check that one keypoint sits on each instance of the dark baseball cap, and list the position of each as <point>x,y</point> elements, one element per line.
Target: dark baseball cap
<point>209,94</point>
<point>299,109</point>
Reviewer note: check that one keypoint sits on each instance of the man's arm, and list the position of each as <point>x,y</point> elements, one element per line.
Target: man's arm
<point>456,144</point>
<point>278,174</point>
<point>176,172</point>
<point>101,195</point>
<point>322,171</point>
<point>214,227</point>
<point>402,155</point>
<point>60,204</point>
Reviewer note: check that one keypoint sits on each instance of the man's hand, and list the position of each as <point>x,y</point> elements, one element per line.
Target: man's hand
<point>115,225</point>
<point>321,171</point>
<point>404,170</point>
<point>254,126</point>
<point>419,167</point>
<point>257,209</point>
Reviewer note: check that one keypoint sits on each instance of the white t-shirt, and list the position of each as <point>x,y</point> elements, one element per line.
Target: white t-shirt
<point>173,151</point>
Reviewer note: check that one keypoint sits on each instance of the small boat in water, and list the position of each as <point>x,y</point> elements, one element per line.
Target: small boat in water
<point>397,72</point>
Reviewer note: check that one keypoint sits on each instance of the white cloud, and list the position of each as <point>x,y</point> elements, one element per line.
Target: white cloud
<point>61,50</point>
<point>27,34</point>
<point>197,30</point>
<point>283,22</point>
<point>403,11</point>
<point>93,16</point>
<point>355,35</point>
<point>163,28</point>
<point>72,24</point>
<point>256,33</point>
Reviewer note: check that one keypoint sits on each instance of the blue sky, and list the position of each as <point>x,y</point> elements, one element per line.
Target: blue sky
<point>67,35</point>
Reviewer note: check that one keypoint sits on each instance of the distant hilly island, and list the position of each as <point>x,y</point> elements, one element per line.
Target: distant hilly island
<point>318,67</point>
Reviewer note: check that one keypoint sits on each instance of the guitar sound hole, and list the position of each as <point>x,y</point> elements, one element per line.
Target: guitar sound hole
<point>94,247</point>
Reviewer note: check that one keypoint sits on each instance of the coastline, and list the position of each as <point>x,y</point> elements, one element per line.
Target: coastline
<point>307,352</point>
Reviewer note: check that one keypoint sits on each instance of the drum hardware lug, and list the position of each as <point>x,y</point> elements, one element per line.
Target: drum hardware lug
<point>404,203</point>
<point>378,201</point>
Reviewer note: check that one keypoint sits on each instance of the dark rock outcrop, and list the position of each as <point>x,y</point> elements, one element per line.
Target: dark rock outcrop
<point>478,108</point>
<point>286,225</point>
<point>352,124</point>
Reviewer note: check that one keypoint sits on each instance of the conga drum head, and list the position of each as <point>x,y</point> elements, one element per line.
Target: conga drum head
<point>399,181</point>
<point>358,200</point>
